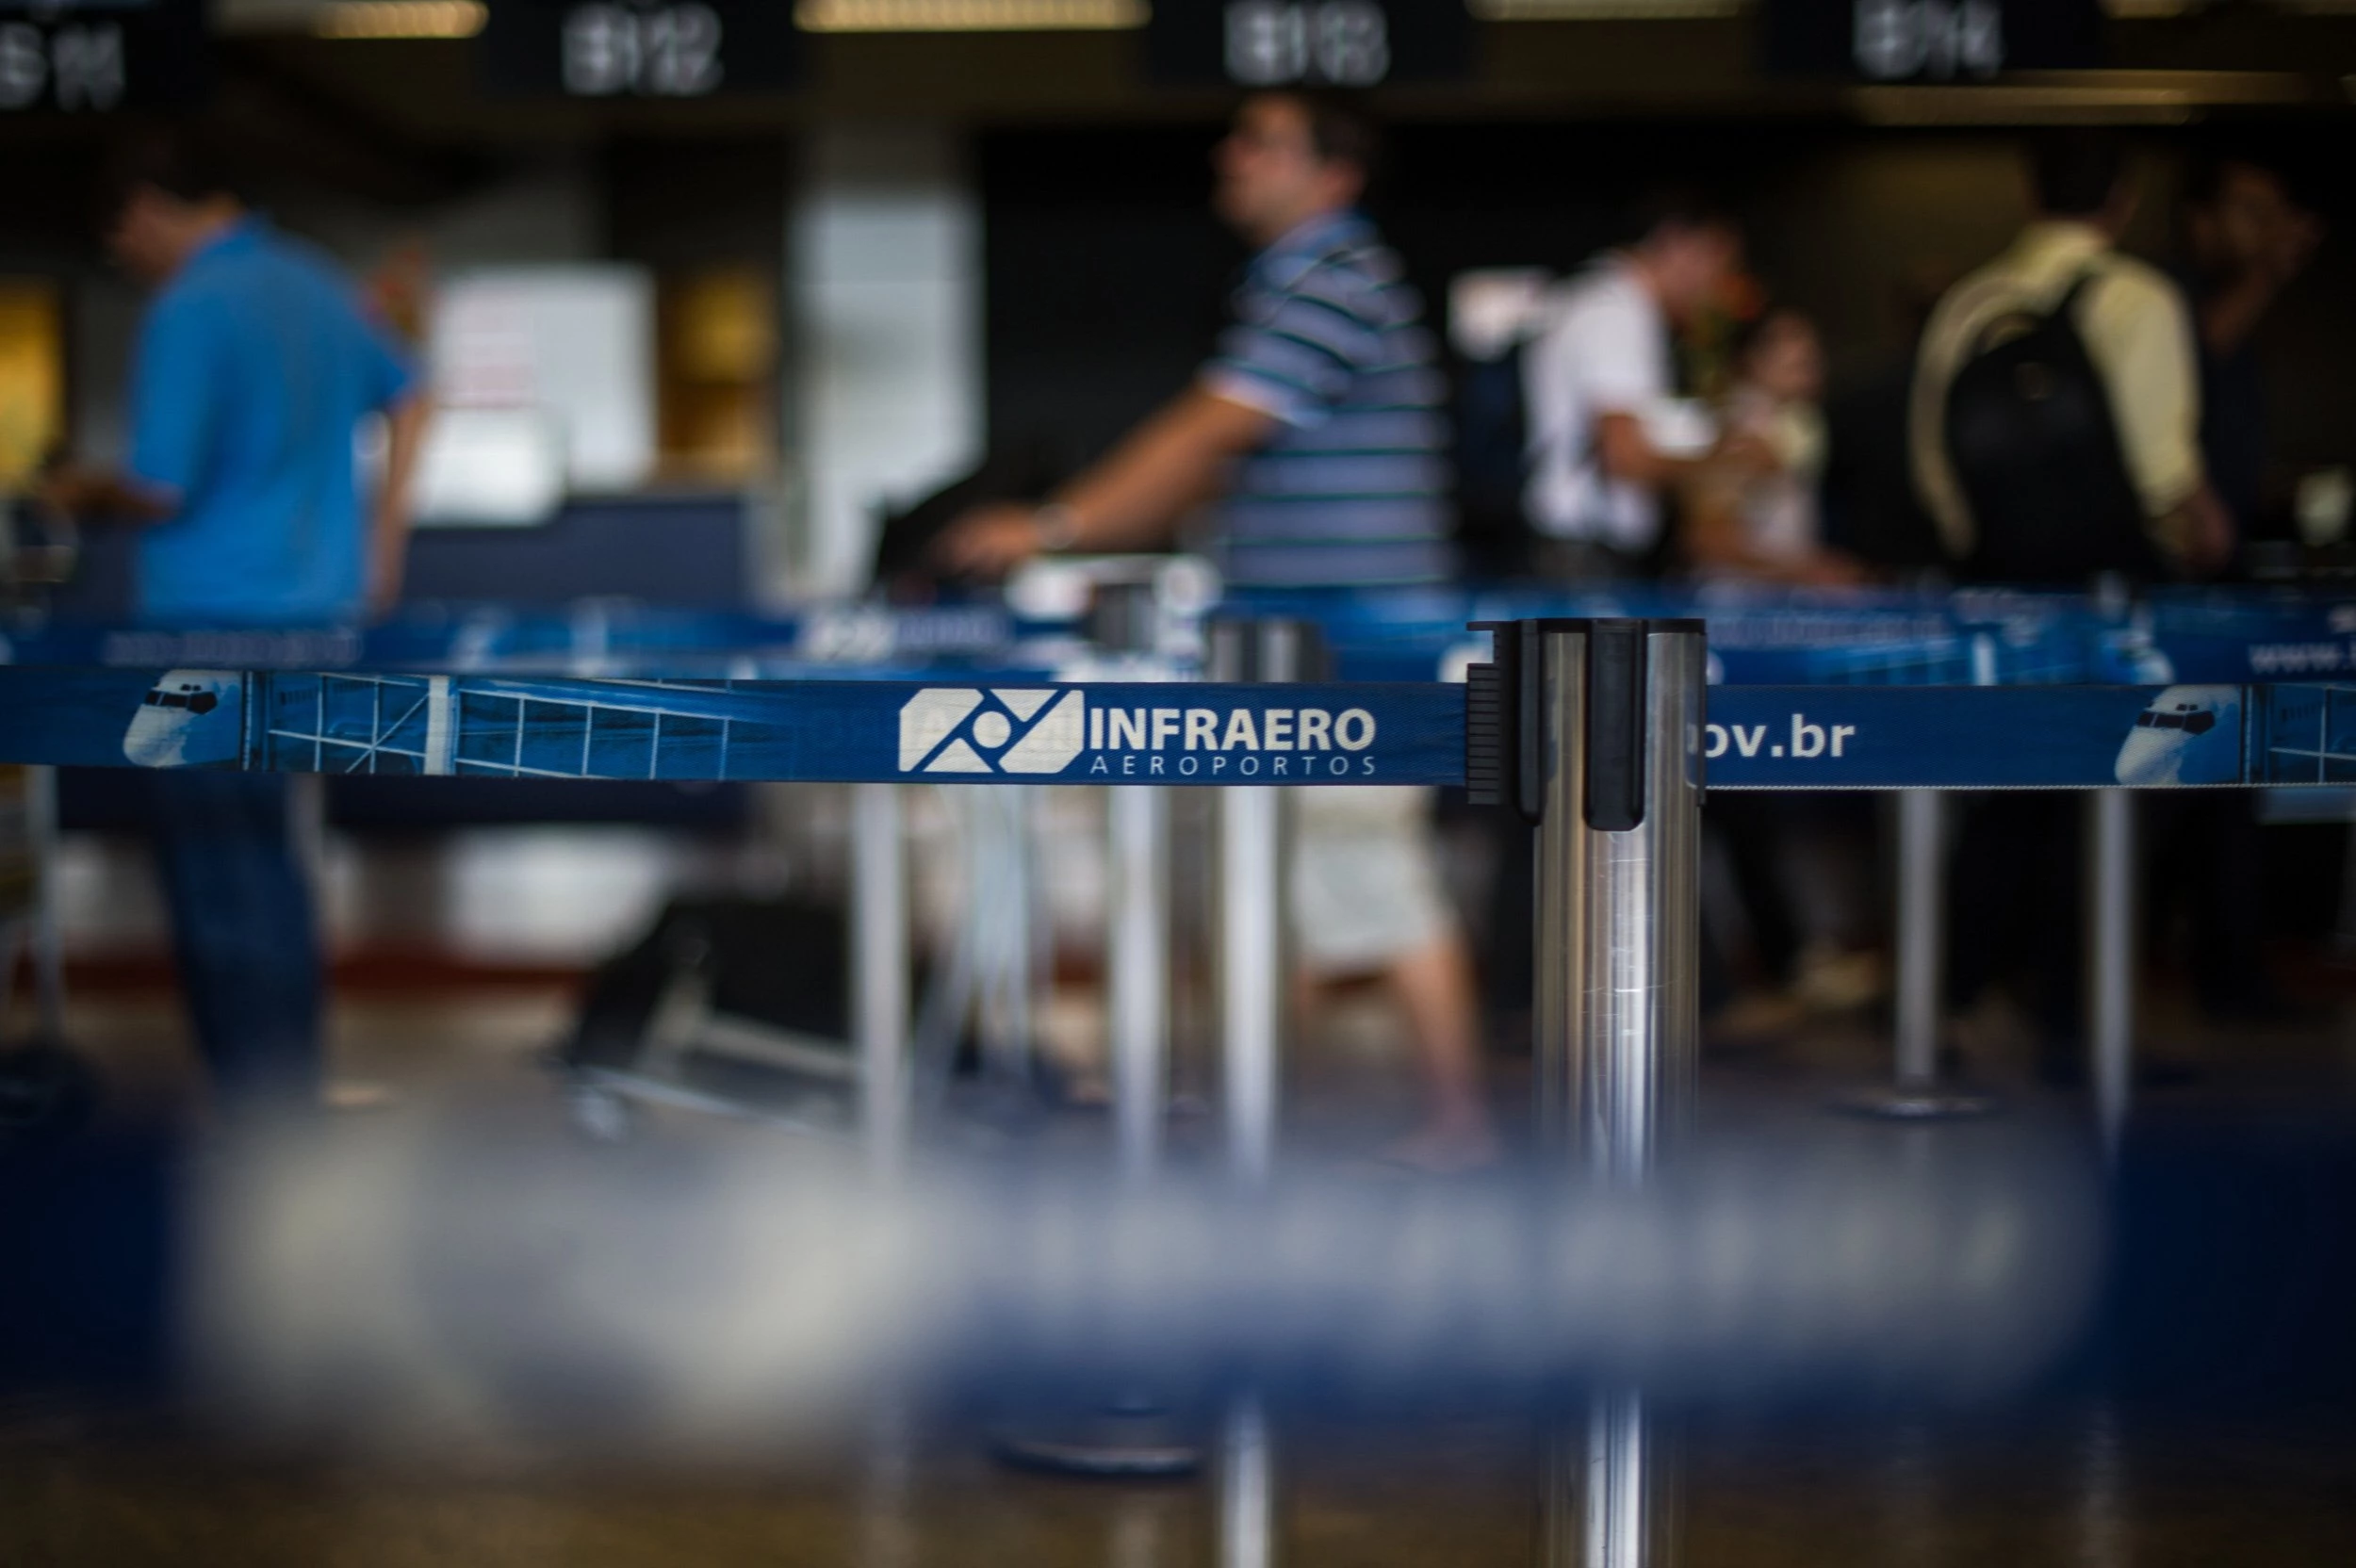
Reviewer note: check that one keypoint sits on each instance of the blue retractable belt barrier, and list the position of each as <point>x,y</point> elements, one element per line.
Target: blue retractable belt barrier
<point>1973,637</point>
<point>640,638</point>
<point>945,731</point>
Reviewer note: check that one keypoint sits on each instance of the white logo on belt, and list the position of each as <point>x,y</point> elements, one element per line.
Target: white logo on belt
<point>960,730</point>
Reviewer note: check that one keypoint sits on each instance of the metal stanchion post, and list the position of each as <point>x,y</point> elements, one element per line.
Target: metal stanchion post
<point>1251,979</point>
<point>1251,904</point>
<point>1619,837</point>
<point>1138,971</point>
<point>2111,956</point>
<point>1246,1489</point>
<point>1594,728</point>
<point>1132,1434</point>
<point>879,934</point>
<point>1252,1011</point>
<point>1006,920</point>
<point>1917,1094</point>
<point>47,943</point>
<point>879,1022</point>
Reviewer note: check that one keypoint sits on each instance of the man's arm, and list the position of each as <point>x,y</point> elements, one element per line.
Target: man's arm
<point>1129,500</point>
<point>1629,455</point>
<point>2139,332</point>
<point>92,495</point>
<point>1935,483</point>
<point>388,523</point>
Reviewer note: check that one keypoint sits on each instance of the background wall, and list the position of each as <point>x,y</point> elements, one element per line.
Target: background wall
<point>1105,238</point>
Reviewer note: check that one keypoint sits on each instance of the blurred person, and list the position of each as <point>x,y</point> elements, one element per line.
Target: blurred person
<point>254,366</point>
<point>1609,441</point>
<point>2055,434</point>
<point>1317,427</point>
<point>1609,437</point>
<point>2056,404</point>
<point>2246,238</point>
<point>1872,510</point>
<point>1765,524</point>
<point>1793,858</point>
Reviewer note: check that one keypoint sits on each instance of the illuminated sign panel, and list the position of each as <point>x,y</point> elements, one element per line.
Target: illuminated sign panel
<point>1344,43</point>
<point>1929,41</point>
<point>640,48</point>
<point>92,57</point>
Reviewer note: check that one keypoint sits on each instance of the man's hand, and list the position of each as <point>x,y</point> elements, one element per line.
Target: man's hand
<point>87,494</point>
<point>1745,454</point>
<point>2210,539</point>
<point>384,580</point>
<point>990,541</point>
<point>388,525</point>
<point>1831,569</point>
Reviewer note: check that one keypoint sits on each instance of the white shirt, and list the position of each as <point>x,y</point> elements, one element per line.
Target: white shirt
<point>1606,351</point>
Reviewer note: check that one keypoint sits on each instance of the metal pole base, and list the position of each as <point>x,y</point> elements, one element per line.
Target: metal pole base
<point>1917,1103</point>
<point>1133,1438</point>
<point>1916,1094</point>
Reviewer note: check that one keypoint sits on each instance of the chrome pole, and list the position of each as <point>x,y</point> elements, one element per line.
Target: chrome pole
<point>46,945</point>
<point>1251,904</point>
<point>1251,973</point>
<point>1916,1094</point>
<point>1922,929</point>
<point>1251,1014</point>
<point>1619,932</point>
<point>1619,714</point>
<point>1246,1489</point>
<point>2111,956</point>
<point>880,962</point>
<point>1138,971</point>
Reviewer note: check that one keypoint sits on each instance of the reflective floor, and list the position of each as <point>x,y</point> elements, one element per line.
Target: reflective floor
<point>2090,1486</point>
<point>2082,1475</point>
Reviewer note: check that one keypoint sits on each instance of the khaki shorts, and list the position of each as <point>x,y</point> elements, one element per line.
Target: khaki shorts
<point>1365,879</point>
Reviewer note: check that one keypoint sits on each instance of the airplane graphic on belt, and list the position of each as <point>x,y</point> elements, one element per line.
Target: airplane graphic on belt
<point>188,719</point>
<point>2185,735</point>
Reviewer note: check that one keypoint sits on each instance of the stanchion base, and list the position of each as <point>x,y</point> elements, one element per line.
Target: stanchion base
<point>1132,1442</point>
<point>1916,1102</point>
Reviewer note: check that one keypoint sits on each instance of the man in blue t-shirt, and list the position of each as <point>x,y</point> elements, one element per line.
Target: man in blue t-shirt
<point>255,367</point>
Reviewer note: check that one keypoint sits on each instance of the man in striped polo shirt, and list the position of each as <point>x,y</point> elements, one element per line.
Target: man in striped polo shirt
<point>1319,418</point>
<point>1319,422</point>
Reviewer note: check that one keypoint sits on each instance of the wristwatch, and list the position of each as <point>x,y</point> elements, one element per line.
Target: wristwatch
<point>1058,528</point>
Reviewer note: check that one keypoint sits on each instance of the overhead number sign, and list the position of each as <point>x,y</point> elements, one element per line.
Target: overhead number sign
<point>89,56</point>
<point>1909,41</point>
<point>1344,43</point>
<point>640,48</point>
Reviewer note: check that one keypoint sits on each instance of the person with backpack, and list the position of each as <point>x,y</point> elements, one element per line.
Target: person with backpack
<point>2055,423</point>
<point>2055,435</point>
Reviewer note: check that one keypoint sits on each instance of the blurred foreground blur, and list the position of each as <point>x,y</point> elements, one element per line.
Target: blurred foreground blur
<point>441,1275</point>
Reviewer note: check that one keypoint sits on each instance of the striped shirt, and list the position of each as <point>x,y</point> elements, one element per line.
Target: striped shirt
<point>1352,490</point>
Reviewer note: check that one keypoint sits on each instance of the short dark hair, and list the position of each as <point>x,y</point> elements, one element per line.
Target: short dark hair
<point>1753,330</point>
<point>2206,174</point>
<point>1680,207</point>
<point>175,165</point>
<point>1341,129</point>
<point>2077,169</point>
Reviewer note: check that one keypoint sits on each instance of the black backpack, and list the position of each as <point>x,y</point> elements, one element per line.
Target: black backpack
<point>2034,447</point>
<point>1492,464</point>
